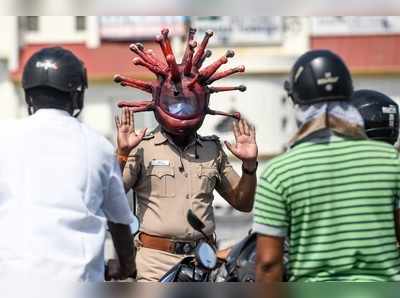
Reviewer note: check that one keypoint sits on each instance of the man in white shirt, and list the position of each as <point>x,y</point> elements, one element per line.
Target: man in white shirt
<point>60,182</point>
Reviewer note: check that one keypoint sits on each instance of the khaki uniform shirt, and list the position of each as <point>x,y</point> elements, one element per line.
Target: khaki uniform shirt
<point>168,182</point>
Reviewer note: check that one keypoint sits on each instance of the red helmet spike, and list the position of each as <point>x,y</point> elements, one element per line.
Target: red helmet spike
<point>235,115</point>
<point>167,42</point>
<point>157,62</point>
<point>175,75</point>
<point>133,83</point>
<point>181,93</point>
<point>140,46</point>
<point>188,49</point>
<point>207,72</point>
<point>240,88</point>
<point>202,47</point>
<point>137,106</point>
<point>160,41</point>
<point>188,61</point>
<point>153,68</point>
<point>138,49</point>
<point>192,82</point>
<point>224,74</point>
<point>206,55</point>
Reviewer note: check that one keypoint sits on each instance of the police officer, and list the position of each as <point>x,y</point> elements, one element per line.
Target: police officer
<point>173,172</point>
<point>60,182</point>
<point>380,114</point>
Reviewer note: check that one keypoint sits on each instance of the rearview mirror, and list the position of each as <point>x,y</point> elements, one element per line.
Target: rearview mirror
<point>206,256</point>
<point>135,226</point>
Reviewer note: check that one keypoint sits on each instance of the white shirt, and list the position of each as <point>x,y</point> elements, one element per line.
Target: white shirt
<point>59,184</point>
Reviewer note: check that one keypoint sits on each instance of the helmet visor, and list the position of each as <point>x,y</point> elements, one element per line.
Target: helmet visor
<point>181,107</point>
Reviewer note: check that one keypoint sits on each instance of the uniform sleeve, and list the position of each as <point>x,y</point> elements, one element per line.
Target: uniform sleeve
<point>132,168</point>
<point>229,179</point>
<point>270,212</point>
<point>115,205</point>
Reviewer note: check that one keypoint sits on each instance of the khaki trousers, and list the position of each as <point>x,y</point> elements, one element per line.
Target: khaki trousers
<point>152,264</point>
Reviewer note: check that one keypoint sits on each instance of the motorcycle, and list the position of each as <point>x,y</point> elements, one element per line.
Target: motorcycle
<point>235,264</point>
<point>197,268</point>
<point>239,265</point>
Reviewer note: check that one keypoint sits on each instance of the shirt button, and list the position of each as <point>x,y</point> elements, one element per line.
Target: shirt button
<point>187,196</point>
<point>186,175</point>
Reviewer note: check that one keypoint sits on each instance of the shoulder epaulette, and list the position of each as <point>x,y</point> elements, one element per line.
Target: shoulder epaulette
<point>209,138</point>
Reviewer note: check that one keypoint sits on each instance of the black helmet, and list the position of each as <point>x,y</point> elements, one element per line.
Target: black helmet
<point>380,114</point>
<point>59,69</point>
<point>319,76</point>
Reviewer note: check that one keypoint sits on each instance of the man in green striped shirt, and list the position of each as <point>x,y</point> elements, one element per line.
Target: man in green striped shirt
<point>334,194</point>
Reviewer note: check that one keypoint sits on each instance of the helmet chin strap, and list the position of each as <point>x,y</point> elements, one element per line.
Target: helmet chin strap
<point>31,108</point>
<point>76,104</point>
<point>76,113</point>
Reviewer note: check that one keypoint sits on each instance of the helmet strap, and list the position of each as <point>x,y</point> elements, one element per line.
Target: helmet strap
<point>31,108</point>
<point>77,102</point>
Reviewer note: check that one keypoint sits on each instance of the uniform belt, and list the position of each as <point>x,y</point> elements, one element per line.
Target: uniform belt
<point>165,244</point>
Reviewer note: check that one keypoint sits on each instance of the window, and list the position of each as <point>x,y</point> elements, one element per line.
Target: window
<point>32,23</point>
<point>80,23</point>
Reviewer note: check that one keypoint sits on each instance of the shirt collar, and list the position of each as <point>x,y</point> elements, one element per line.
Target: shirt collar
<point>161,137</point>
<point>52,112</point>
<point>329,125</point>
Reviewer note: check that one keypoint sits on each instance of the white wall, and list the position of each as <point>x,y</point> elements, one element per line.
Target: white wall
<point>101,107</point>
<point>261,105</point>
<point>9,40</point>
<point>10,101</point>
<point>389,85</point>
<point>61,29</point>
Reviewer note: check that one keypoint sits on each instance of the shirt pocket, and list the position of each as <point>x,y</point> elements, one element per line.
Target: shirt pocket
<point>207,178</point>
<point>160,181</point>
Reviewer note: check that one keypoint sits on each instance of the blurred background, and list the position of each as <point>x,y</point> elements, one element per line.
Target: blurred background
<point>266,45</point>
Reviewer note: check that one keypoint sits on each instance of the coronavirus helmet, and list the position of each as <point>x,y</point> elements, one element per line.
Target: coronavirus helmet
<point>380,114</point>
<point>182,91</point>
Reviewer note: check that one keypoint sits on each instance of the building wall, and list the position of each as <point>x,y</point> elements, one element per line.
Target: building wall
<point>10,99</point>
<point>387,84</point>
<point>8,60</point>
<point>9,41</point>
<point>101,107</point>
<point>62,29</point>
<point>264,105</point>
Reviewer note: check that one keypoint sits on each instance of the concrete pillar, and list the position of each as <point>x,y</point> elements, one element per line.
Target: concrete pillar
<point>93,32</point>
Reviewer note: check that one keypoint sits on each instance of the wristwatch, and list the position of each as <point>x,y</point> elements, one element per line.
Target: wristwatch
<point>246,171</point>
<point>122,158</point>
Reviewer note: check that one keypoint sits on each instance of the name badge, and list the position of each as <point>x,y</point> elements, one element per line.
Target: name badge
<point>159,162</point>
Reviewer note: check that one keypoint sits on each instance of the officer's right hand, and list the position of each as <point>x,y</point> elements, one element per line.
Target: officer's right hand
<point>127,138</point>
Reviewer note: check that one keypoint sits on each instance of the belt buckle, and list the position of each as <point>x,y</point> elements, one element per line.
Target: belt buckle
<point>182,248</point>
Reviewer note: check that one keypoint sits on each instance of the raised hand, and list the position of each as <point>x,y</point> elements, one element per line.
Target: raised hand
<point>245,147</point>
<point>127,138</point>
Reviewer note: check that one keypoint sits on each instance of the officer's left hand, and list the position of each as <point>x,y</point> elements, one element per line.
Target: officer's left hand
<point>245,147</point>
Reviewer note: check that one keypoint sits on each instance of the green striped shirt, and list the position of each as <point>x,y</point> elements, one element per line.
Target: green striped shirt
<point>335,200</point>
